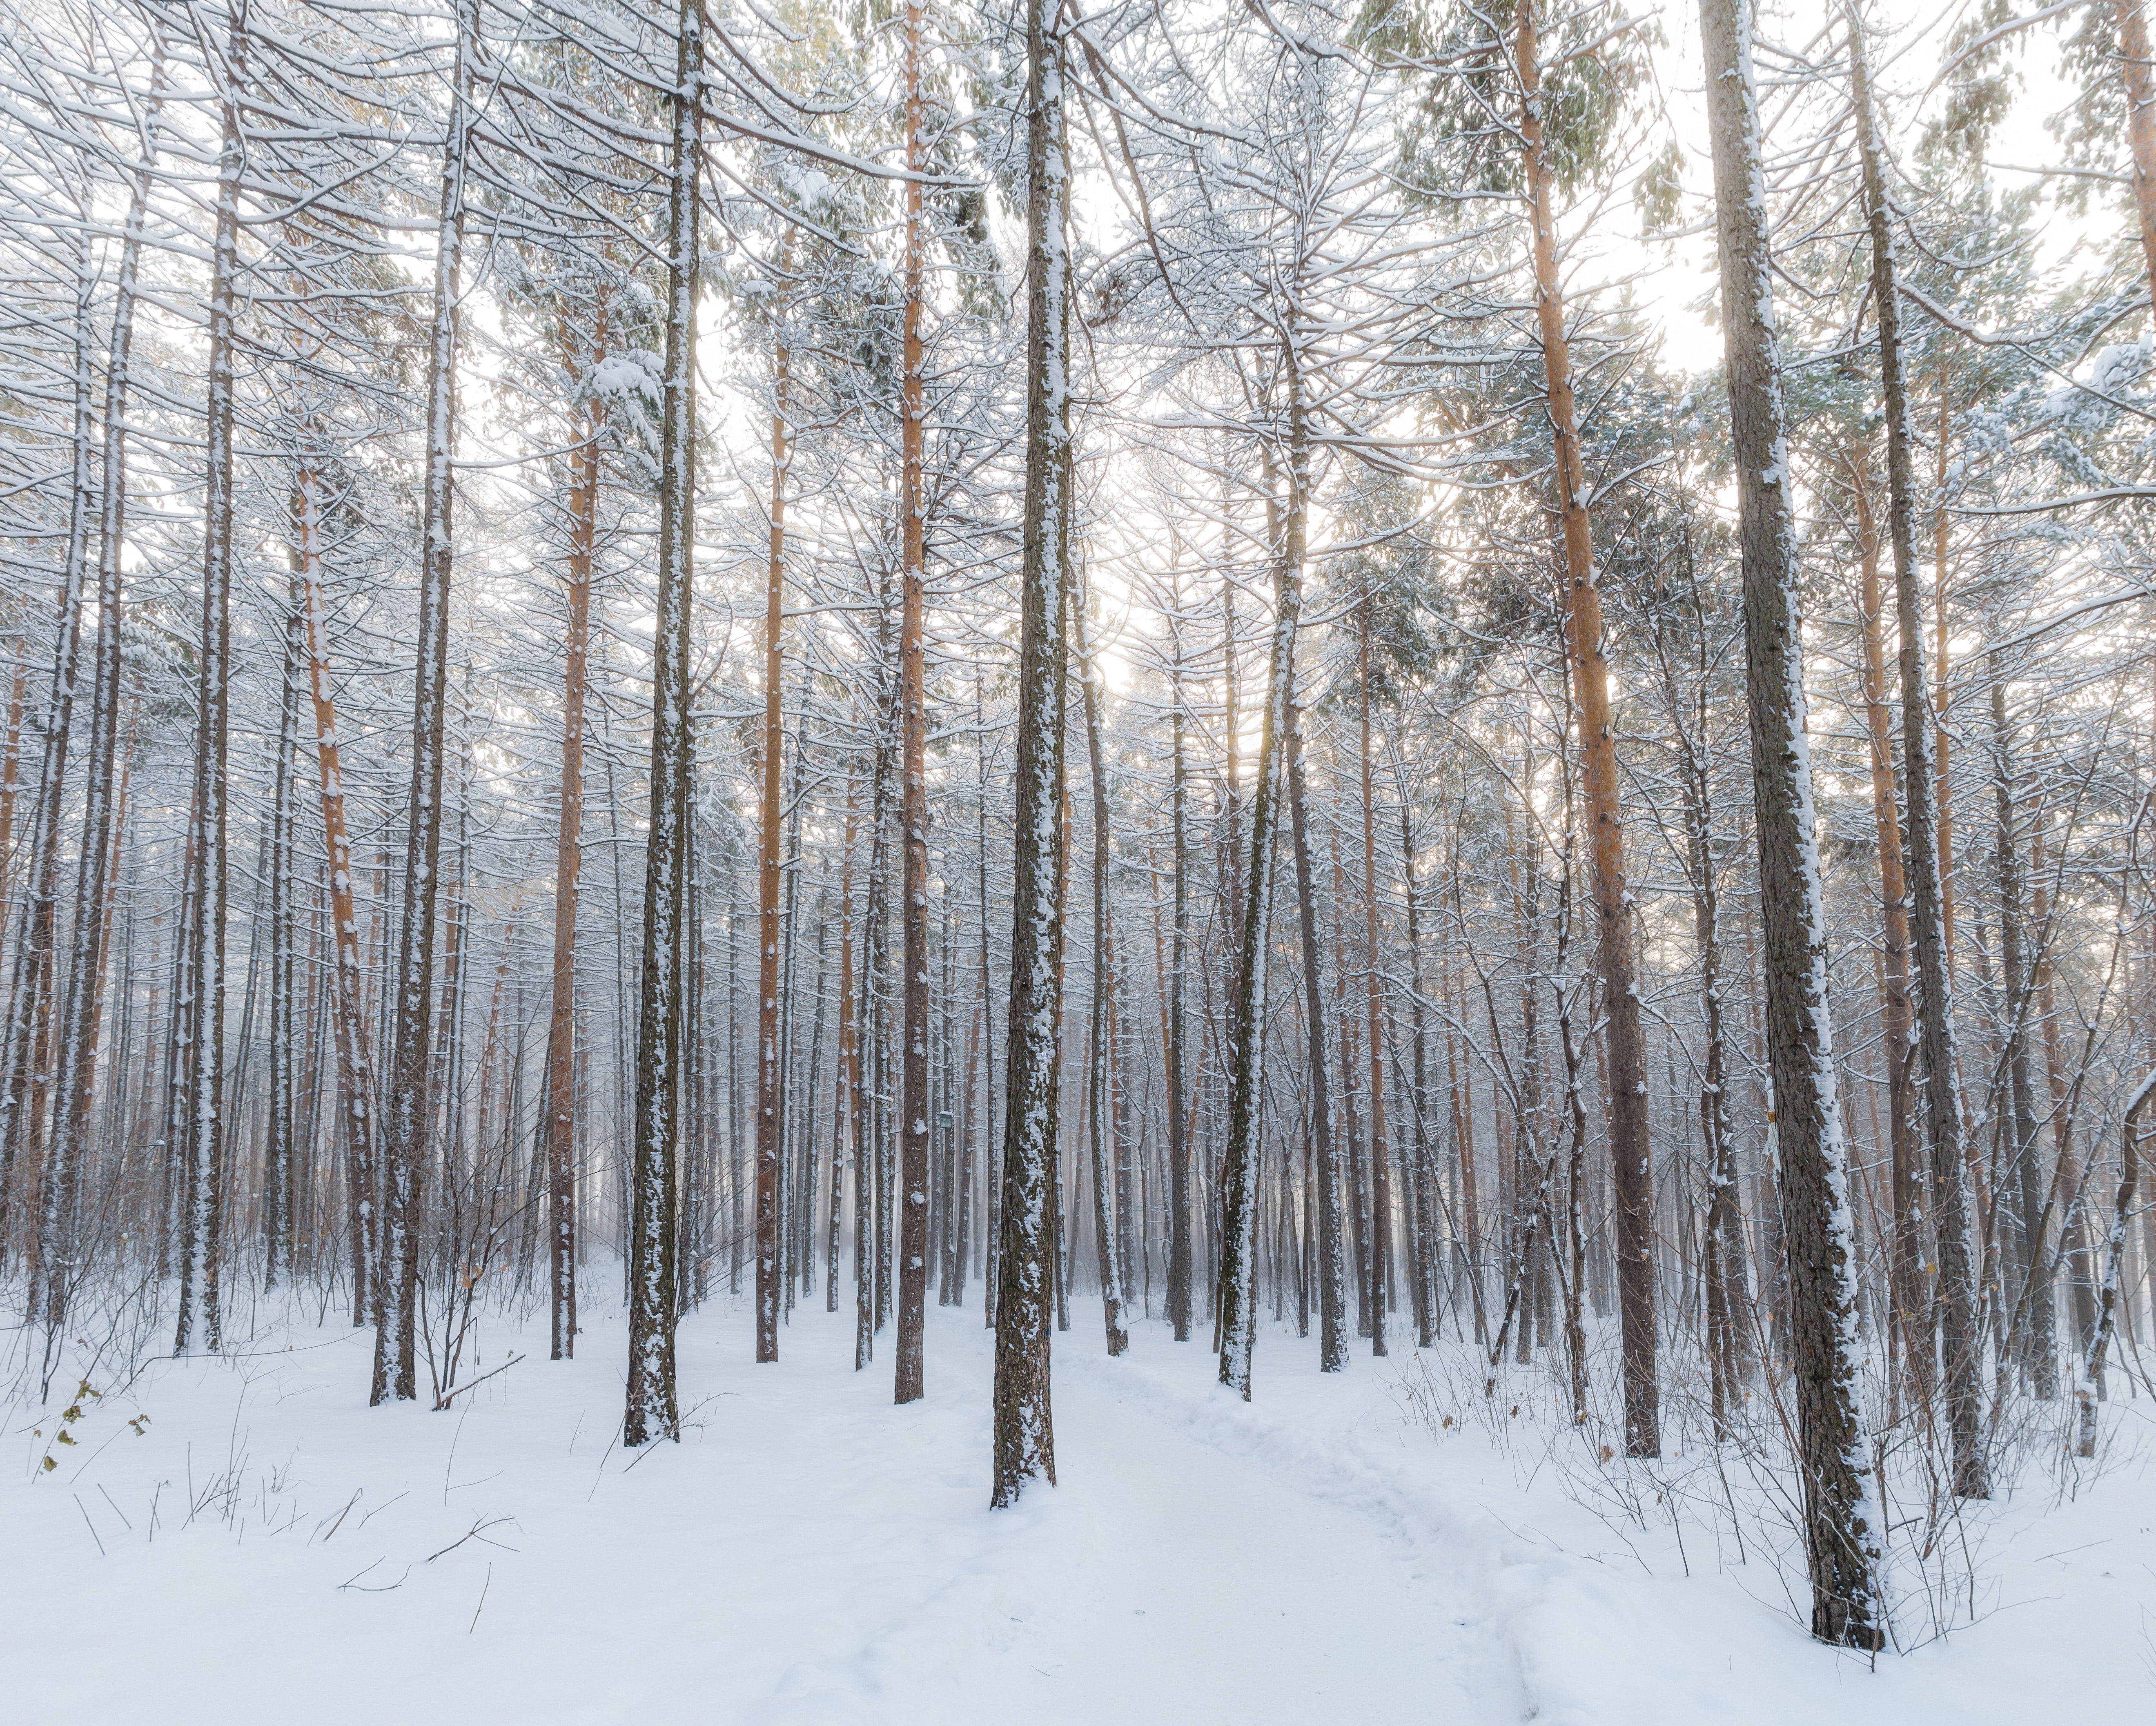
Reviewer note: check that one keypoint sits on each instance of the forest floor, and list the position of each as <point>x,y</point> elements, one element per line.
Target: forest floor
<point>242,1541</point>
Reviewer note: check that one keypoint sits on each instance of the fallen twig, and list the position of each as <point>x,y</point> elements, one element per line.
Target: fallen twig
<point>449,1395</point>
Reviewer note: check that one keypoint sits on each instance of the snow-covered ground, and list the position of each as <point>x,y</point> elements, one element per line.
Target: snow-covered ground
<point>262,1547</point>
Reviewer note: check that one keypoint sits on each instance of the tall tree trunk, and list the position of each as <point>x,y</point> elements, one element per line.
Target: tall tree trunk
<point>408,1107</point>
<point>915,1111</point>
<point>1422,1186</point>
<point>203,1128</point>
<point>992,1154</point>
<point>11,775</point>
<point>1099,1033</point>
<point>1630,1153</point>
<point>770,1094</point>
<point>1291,539</point>
<point>652,1410</point>
<point>1943,1112</point>
<point>1728,1339</point>
<point>1025,1441</point>
<point>847,1103</point>
<point>1381,1189</point>
<point>1912,1313</point>
<point>1842,1528</point>
<point>2028,1300</point>
<point>871,1179</point>
<point>281,1152</point>
<point>1175,1053</point>
<point>348,989</point>
<point>1237,1287</point>
<point>568,849</point>
<point>2074,1226</point>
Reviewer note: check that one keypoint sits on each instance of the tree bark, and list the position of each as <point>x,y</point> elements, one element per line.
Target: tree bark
<point>201,1129</point>
<point>916,1110</point>
<point>1912,1311</point>
<point>1025,1441</point>
<point>1929,931</point>
<point>1381,1188</point>
<point>1628,1148</point>
<point>652,1410</point>
<point>2028,1299</point>
<point>1099,1032</point>
<point>408,1104</point>
<point>2069,1179</point>
<point>1179,1141</point>
<point>1842,1528</point>
<point>770,1093</point>
<point>568,852</point>
<point>1236,1277</point>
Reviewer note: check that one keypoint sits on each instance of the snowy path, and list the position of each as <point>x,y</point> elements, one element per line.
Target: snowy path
<point>809,1553</point>
<point>267,1549</point>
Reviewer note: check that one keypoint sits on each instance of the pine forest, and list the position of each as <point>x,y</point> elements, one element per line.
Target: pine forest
<point>970,861</point>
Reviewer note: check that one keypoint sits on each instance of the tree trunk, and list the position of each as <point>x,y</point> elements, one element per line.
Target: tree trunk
<point>569,856</point>
<point>1025,1442</point>
<point>2069,1179</point>
<point>1943,1115</point>
<point>202,1130</point>
<point>1912,1311</point>
<point>348,1006</point>
<point>1098,1049</point>
<point>408,1105</point>
<point>1629,1149</point>
<point>1237,1289</point>
<point>2028,1299</point>
<point>770,1094</point>
<point>652,1410</point>
<point>916,1110</point>
<point>280,1153</point>
<point>1179,1141</point>
<point>1381,1188</point>
<point>1842,1529</point>
<point>847,1104</point>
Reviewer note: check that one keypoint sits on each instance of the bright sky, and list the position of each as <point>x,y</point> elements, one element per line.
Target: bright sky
<point>1907,40</point>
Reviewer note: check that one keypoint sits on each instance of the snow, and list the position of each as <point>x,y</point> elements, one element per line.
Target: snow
<point>810,1552</point>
